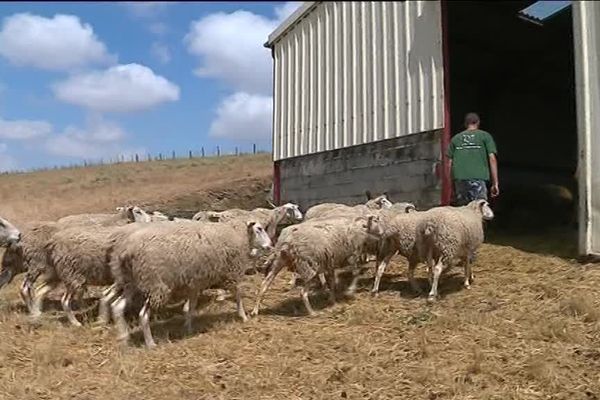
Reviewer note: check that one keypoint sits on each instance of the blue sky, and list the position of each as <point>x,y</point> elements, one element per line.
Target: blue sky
<point>93,80</point>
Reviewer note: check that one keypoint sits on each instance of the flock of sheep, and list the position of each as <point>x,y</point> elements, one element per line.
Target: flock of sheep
<point>147,260</point>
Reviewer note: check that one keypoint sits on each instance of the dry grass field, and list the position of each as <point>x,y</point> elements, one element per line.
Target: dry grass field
<point>528,329</point>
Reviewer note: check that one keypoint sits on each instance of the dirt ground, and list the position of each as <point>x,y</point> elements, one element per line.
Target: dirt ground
<point>528,328</point>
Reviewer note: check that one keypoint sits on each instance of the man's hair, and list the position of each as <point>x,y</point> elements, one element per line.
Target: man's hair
<point>471,119</point>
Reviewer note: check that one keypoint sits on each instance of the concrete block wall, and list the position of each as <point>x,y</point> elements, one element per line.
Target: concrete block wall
<point>403,167</point>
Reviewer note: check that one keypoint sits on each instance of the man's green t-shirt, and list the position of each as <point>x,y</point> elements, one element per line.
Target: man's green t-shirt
<point>469,151</point>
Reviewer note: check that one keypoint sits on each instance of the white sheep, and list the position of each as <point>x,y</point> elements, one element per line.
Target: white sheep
<point>334,209</point>
<point>345,211</point>
<point>318,247</point>
<point>29,257</point>
<point>450,234</point>
<point>167,261</point>
<point>78,257</point>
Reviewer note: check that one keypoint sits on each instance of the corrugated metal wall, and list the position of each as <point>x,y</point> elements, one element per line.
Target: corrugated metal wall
<point>357,72</point>
<point>586,24</point>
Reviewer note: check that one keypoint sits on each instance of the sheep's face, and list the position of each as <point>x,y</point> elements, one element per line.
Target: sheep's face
<point>484,208</point>
<point>259,239</point>
<point>383,202</point>
<point>9,234</point>
<point>12,264</point>
<point>136,214</point>
<point>372,225</point>
<point>292,212</point>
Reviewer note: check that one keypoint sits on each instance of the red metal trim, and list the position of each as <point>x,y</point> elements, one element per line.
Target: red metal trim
<point>446,133</point>
<point>276,184</point>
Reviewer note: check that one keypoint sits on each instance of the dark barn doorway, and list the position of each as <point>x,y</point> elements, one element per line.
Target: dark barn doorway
<point>519,76</point>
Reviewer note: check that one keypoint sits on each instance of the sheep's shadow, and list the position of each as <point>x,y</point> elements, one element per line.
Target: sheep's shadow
<point>173,329</point>
<point>294,306</point>
<point>450,282</point>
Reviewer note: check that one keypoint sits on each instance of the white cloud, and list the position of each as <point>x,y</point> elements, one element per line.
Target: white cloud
<point>161,52</point>
<point>99,138</point>
<point>230,47</point>
<point>24,129</point>
<point>122,88</point>
<point>146,9</point>
<point>7,162</point>
<point>62,42</point>
<point>285,10</point>
<point>243,116</point>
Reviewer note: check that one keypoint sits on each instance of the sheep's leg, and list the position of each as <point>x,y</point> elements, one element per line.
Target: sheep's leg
<point>305,300</point>
<point>108,296</point>
<point>266,283</point>
<point>330,276</point>
<point>357,273</point>
<point>323,280</point>
<point>189,309</point>
<point>240,304</point>
<point>412,265</point>
<point>145,324</point>
<point>66,305</point>
<point>468,274</point>
<point>292,281</point>
<point>221,295</point>
<point>380,270</point>
<point>437,271</point>
<point>118,310</point>
<point>38,299</point>
<point>26,292</point>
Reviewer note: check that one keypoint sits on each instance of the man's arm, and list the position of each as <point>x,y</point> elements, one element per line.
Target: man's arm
<point>494,171</point>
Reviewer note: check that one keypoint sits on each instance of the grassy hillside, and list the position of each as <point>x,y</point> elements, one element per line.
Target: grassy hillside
<point>179,186</point>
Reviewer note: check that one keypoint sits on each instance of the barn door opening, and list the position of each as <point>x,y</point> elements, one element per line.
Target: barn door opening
<point>514,66</point>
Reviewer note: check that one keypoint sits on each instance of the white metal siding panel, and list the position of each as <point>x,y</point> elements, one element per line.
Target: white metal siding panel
<point>586,24</point>
<point>350,73</point>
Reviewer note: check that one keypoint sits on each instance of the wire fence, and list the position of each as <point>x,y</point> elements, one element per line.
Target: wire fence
<point>202,152</point>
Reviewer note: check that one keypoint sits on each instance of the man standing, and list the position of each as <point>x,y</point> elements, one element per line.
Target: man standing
<point>472,155</point>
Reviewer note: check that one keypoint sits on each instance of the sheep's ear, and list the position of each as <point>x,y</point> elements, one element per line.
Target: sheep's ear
<point>410,207</point>
<point>250,224</point>
<point>368,194</point>
<point>271,204</point>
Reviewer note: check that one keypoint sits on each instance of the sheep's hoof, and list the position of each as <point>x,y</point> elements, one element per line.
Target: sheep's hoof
<point>431,299</point>
<point>467,286</point>
<point>254,312</point>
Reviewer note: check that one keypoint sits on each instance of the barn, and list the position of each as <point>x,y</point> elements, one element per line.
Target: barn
<point>367,96</point>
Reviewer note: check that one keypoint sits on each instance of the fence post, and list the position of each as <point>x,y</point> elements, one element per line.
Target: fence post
<point>236,151</point>
<point>218,151</point>
<point>254,148</point>
<point>160,156</point>
<point>173,154</point>
<point>202,151</point>
<point>137,158</point>
<point>190,154</point>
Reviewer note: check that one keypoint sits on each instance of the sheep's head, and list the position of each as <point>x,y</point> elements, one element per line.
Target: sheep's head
<point>292,212</point>
<point>372,225</point>
<point>258,237</point>
<point>9,234</point>
<point>380,202</point>
<point>483,207</point>
<point>136,214</point>
<point>12,264</point>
